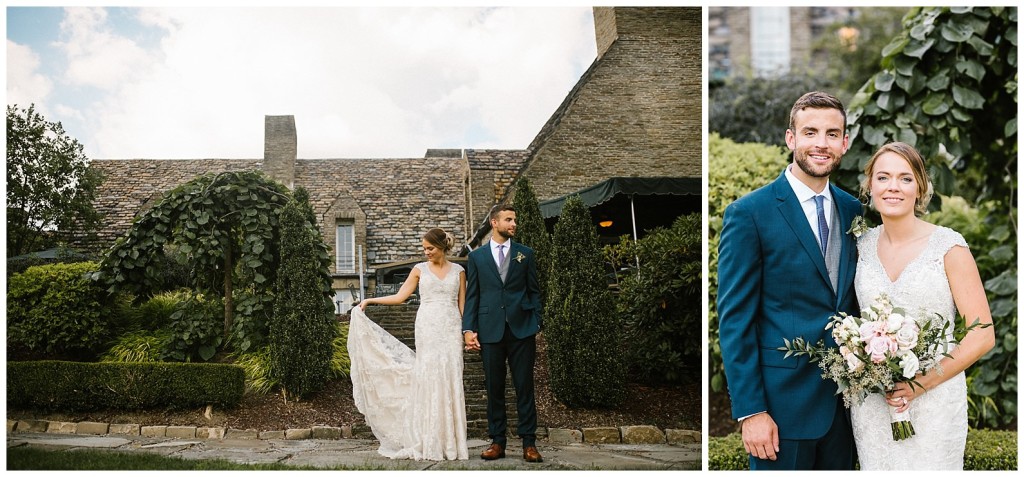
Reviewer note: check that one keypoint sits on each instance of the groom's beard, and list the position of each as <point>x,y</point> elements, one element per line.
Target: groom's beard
<point>505,233</point>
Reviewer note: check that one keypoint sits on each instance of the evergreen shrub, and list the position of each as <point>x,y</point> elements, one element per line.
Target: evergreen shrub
<point>302,327</point>
<point>57,311</point>
<point>581,326</point>
<point>68,386</point>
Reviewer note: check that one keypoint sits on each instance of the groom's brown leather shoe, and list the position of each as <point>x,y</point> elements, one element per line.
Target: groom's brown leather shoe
<point>494,451</point>
<point>530,454</point>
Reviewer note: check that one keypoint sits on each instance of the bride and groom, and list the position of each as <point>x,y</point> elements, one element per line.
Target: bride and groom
<point>414,402</point>
<point>787,263</point>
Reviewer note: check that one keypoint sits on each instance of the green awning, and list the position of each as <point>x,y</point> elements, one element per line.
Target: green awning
<point>604,191</point>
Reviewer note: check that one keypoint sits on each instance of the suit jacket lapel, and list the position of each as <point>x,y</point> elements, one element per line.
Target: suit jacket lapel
<point>793,214</point>
<point>848,258</point>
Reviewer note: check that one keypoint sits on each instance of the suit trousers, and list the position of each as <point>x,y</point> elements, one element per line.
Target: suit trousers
<point>520,354</point>
<point>833,451</point>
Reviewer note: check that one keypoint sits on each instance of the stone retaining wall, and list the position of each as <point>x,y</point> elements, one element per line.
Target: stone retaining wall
<point>599,435</point>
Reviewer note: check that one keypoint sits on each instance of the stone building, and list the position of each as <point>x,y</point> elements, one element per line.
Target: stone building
<point>766,40</point>
<point>634,118</point>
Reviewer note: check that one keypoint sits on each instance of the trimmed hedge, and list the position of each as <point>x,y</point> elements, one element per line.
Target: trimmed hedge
<point>75,386</point>
<point>986,450</point>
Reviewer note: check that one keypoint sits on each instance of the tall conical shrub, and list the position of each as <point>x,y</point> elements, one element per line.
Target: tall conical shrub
<point>302,326</point>
<point>582,328</point>
<point>530,231</point>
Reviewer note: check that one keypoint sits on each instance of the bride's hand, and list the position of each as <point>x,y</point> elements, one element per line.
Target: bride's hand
<point>901,396</point>
<point>362,304</point>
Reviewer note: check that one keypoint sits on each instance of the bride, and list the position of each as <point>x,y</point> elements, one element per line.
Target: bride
<point>414,402</point>
<point>923,268</point>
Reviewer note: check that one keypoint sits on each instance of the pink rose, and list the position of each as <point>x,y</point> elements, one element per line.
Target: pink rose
<point>879,346</point>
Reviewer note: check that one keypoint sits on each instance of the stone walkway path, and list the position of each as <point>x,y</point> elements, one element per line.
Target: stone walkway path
<point>363,452</point>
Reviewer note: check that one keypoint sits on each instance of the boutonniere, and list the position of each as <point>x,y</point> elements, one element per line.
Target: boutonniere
<point>519,257</point>
<point>858,226</point>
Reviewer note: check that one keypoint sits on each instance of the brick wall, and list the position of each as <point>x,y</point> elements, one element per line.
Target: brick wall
<point>398,200</point>
<point>635,112</point>
<point>136,184</point>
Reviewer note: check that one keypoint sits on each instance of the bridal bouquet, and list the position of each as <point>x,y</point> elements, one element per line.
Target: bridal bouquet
<point>880,348</point>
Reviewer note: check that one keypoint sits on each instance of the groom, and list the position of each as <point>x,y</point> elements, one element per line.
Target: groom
<point>501,319</point>
<point>785,265</point>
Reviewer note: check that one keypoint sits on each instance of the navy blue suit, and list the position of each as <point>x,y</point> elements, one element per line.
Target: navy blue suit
<point>773,284</point>
<point>506,316</point>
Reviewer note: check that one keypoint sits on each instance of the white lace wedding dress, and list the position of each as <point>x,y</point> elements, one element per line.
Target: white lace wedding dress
<point>940,415</point>
<point>414,402</point>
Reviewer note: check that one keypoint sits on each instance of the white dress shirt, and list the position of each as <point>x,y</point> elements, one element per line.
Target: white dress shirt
<point>805,196</point>
<point>507,245</point>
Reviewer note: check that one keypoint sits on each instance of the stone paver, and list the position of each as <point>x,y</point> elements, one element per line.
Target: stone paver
<point>601,435</point>
<point>642,435</point>
<point>57,427</point>
<point>362,453</point>
<point>126,429</point>
<point>154,431</point>
<point>181,432</point>
<point>97,428</point>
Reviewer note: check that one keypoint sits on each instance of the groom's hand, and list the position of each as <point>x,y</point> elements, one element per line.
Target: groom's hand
<point>471,340</point>
<point>760,436</point>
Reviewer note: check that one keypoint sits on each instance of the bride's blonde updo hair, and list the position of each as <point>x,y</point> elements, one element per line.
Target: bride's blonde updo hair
<point>917,165</point>
<point>440,239</point>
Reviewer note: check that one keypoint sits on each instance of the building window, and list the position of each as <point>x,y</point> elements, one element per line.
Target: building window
<point>345,247</point>
<point>769,40</point>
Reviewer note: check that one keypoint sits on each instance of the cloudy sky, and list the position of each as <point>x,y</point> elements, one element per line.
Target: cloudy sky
<point>361,82</point>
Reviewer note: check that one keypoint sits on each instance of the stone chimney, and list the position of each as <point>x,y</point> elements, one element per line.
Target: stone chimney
<point>605,29</point>
<point>280,149</point>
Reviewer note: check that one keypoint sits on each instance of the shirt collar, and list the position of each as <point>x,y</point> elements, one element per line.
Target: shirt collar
<point>804,193</point>
<point>507,244</point>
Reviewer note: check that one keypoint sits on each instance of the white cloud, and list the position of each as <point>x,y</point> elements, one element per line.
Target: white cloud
<point>97,56</point>
<point>25,85</point>
<point>360,82</point>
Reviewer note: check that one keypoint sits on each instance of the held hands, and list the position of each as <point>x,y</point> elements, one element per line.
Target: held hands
<point>760,436</point>
<point>472,343</point>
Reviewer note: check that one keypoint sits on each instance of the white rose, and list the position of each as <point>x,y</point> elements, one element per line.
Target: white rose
<point>906,337</point>
<point>910,365</point>
<point>853,362</point>
<point>895,321</point>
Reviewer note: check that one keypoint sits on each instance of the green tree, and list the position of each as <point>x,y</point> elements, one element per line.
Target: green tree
<point>581,326</point>
<point>225,224</point>
<point>302,327</point>
<point>853,47</point>
<point>747,109</point>
<point>50,186</point>
<point>531,231</point>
